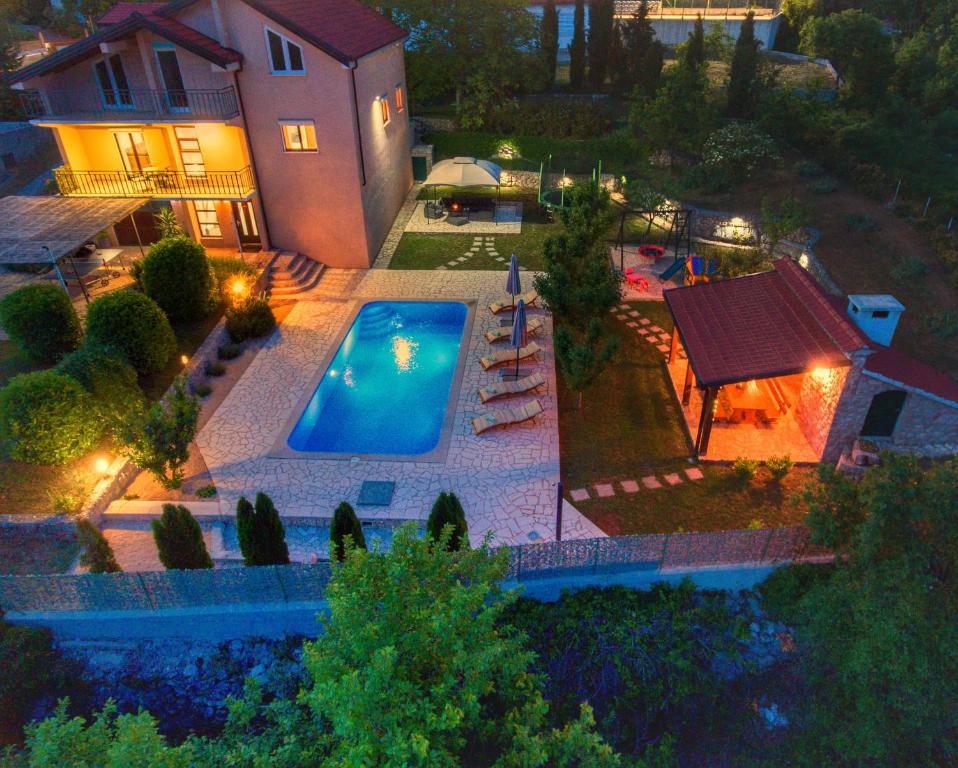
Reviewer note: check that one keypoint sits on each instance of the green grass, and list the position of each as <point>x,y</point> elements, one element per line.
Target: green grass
<point>36,555</point>
<point>630,426</point>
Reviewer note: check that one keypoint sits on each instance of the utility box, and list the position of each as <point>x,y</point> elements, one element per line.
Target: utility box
<point>876,314</point>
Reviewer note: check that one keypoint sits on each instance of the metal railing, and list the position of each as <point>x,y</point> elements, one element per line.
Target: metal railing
<point>163,185</point>
<point>131,104</point>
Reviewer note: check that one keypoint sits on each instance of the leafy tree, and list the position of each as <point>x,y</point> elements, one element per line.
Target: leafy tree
<point>779,221</point>
<point>643,196</point>
<point>733,153</point>
<point>639,62</point>
<point>447,522</point>
<point>693,49</point>
<point>95,551</point>
<point>679,117</point>
<point>177,275</point>
<point>179,539</point>
<point>549,41</point>
<point>577,47</point>
<point>432,676</point>
<point>158,438</point>
<point>744,85</point>
<point>42,321</point>
<point>262,537</point>
<point>601,32</point>
<point>345,523</point>
<point>133,324</point>
<point>719,44</point>
<point>582,357</point>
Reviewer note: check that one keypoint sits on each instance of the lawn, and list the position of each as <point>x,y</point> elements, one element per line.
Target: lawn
<point>630,426</point>
<point>36,554</point>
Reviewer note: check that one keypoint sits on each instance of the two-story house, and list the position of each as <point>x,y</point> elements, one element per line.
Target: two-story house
<point>268,123</point>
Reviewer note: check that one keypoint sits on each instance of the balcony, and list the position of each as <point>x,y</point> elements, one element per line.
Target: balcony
<point>135,105</point>
<point>161,185</point>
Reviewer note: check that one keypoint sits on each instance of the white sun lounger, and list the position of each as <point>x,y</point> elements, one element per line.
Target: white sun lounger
<point>504,332</point>
<point>501,356</point>
<point>502,388</point>
<point>505,416</point>
<point>529,297</point>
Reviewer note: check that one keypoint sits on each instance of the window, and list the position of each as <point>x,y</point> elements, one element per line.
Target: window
<point>132,146</point>
<point>384,108</point>
<point>114,87</point>
<point>400,103</point>
<point>169,66</point>
<point>189,147</point>
<point>206,216</point>
<point>285,57</point>
<point>299,135</point>
<point>880,313</point>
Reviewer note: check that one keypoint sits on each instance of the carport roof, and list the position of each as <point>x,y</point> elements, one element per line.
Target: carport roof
<point>62,224</point>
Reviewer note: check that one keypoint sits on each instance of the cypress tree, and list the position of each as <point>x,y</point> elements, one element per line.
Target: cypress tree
<point>549,41</point>
<point>601,30</point>
<point>641,56</point>
<point>179,539</point>
<point>577,48</point>
<point>743,76</point>
<point>447,510</point>
<point>95,551</point>
<point>345,523</point>
<point>261,534</point>
<point>693,54</point>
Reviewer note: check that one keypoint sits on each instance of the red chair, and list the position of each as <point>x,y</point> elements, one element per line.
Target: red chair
<point>634,279</point>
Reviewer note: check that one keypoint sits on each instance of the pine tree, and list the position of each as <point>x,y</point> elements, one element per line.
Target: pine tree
<point>179,539</point>
<point>95,551</point>
<point>693,51</point>
<point>641,58</point>
<point>549,41</point>
<point>345,523</point>
<point>447,510</point>
<point>743,84</point>
<point>601,32</point>
<point>577,48</point>
<point>9,62</point>
<point>260,531</point>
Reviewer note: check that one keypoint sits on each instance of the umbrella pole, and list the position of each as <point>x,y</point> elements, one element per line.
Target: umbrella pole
<point>516,377</point>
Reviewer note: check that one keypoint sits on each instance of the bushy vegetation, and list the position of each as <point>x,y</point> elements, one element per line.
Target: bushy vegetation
<point>47,418</point>
<point>110,380</point>
<point>563,118</point>
<point>733,153</point>
<point>262,537</point>
<point>250,319</point>
<point>95,551</point>
<point>447,521</point>
<point>176,274</point>
<point>345,523</point>
<point>134,325</point>
<point>42,321</point>
<point>179,539</point>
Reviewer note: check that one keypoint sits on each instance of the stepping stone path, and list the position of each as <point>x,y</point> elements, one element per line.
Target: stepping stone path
<point>478,244</point>
<point>673,478</point>
<point>604,490</point>
<point>646,330</point>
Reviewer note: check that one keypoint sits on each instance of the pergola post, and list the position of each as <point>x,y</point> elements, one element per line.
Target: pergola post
<point>139,241</point>
<point>705,421</point>
<point>674,345</point>
<point>687,387</point>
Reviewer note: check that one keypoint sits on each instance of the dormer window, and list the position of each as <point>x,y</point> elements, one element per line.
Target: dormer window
<point>285,57</point>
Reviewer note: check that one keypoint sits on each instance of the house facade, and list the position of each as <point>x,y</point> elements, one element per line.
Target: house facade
<point>265,124</point>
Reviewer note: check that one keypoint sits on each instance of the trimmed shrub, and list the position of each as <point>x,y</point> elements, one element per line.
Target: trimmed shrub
<point>226,268</point>
<point>779,466</point>
<point>215,369</point>
<point>252,319</point>
<point>229,352</point>
<point>447,511</point>
<point>47,418</point>
<point>203,390</point>
<point>179,539</point>
<point>262,537</point>
<point>177,275</point>
<point>42,321</point>
<point>134,325</point>
<point>745,468</point>
<point>108,377</point>
<point>345,523</point>
<point>95,551</point>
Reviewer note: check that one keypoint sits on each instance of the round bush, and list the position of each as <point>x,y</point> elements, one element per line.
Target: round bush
<point>46,417</point>
<point>250,320</point>
<point>135,326</point>
<point>108,377</point>
<point>177,275</point>
<point>42,321</point>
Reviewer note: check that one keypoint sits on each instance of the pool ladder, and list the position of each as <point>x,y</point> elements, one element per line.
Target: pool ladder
<point>376,323</point>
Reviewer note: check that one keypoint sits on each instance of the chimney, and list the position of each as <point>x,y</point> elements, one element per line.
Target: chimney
<point>876,314</point>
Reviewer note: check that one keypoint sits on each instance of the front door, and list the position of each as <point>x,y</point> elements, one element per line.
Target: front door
<point>246,225</point>
<point>883,413</point>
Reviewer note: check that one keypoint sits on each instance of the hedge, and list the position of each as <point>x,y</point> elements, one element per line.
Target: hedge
<point>177,275</point>
<point>250,320</point>
<point>108,377</point>
<point>46,417</point>
<point>135,325</point>
<point>42,321</point>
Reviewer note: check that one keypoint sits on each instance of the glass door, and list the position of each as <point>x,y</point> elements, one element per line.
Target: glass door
<point>132,146</point>
<point>246,225</point>
<point>114,87</point>
<point>174,92</point>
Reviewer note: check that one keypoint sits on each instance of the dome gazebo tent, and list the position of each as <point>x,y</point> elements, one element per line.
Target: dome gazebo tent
<point>463,173</point>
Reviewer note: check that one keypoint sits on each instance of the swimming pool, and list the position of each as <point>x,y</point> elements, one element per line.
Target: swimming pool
<point>386,390</point>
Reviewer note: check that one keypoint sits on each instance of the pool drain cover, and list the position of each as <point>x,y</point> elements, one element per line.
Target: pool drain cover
<point>376,493</point>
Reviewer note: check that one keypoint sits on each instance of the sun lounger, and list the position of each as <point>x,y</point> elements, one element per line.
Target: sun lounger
<point>505,332</point>
<point>529,297</point>
<point>501,356</point>
<point>504,416</point>
<point>502,388</point>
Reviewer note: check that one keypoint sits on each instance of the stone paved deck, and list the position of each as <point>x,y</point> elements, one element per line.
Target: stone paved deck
<point>506,478</point>
<point>507,221</point>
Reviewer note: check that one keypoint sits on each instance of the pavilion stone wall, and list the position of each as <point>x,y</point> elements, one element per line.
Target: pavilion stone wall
<point>818,402</point>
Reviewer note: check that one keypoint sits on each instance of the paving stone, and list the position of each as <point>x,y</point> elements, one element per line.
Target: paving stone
<point>579,494</point>
<point>694,473</point>
<point>651,482</point>
<point>500,259</point>
<point>645,321</point>
<point>629,486</point>
<point>452,263</point>
<point>632,324</point>
<point>493,253</point>
<point>624,306</point>
<point>461,259</point>
<point>622,317</point>
<point>662,347</point>
<point>443,266</point>
<point>665,336</point>
<point>644,331</point>
<point>673,478</point>
<point>604,490</point>
<point>656,329</point>
<point>651,339</point>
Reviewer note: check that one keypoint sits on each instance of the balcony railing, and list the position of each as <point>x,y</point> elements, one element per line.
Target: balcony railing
<point>163,185</point>
<point>131,105</point>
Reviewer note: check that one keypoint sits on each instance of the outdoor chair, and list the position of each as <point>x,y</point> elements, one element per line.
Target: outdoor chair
<point>633,278</point>
<point>506,416</point>
<point>501,356</point>
<point>503,333</point>
<point>503,388</point>
<point>529,297</point>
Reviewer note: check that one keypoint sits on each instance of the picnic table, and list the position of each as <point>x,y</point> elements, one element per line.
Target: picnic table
<point>750,401</point>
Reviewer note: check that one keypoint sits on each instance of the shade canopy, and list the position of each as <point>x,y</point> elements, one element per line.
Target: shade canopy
<point>464,172</point>
<point>31,225</point>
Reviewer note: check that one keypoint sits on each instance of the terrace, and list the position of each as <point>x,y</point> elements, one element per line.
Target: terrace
<point>132,105</point>
<point>156,184</point>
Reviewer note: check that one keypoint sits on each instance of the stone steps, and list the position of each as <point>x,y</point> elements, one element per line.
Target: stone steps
<point>292,273</point>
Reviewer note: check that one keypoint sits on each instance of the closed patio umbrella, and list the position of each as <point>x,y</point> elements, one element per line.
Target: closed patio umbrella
<point>513,283</point>
<point>520,336</point>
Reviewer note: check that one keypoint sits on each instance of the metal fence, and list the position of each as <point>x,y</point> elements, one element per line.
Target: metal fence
<point>307,583</point>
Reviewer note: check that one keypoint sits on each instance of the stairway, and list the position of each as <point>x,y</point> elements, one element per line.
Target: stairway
<point>291,273</point>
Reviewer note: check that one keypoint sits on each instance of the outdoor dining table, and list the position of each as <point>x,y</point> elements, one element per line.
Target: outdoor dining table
<point>750,400</point>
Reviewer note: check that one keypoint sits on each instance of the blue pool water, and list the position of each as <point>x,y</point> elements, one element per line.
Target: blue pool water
<point>387,388</point>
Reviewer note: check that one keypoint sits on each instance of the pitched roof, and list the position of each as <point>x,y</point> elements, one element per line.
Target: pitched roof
<point>122,10</point>
<point>773,323</point>
<point>897,367</point>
